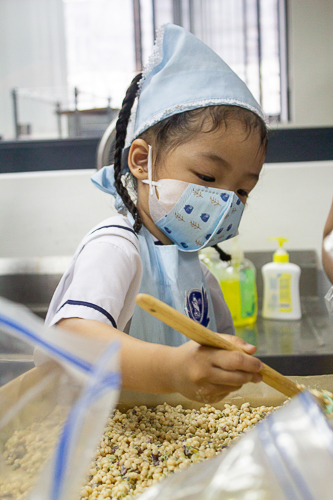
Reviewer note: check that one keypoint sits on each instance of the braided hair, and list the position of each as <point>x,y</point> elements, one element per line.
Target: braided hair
<point>225,257</point>
<point>121,130</point>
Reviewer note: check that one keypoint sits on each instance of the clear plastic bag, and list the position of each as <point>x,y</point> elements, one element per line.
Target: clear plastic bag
<point>288,456</point>
<point>52,417</point>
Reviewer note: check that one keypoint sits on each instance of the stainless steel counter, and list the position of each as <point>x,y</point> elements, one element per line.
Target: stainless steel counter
<point>303,347</point>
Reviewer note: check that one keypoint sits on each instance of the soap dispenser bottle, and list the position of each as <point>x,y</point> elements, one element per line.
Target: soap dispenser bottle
<point>281,286</point>
<point>238,284</point>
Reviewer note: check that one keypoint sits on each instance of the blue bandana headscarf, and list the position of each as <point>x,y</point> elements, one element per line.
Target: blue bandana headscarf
<point>182,74</point>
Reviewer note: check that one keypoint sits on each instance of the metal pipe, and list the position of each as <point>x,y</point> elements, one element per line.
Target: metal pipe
<point>76,98</point>
<point>137,34</point>
<point>259,50</point>
<point>76,113</point>
<point>191,16</point>
<point>58,113</point>
<point>245,38</point>
<point>283,59</point>
<point>15,109</point>
<point>177,12</point>
<point>153,10</point>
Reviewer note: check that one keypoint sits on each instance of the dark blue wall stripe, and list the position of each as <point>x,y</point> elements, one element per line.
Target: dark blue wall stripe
<point>93,306</point>
<point>284,145</point>
<point>300,144</point>
<point>57,154</point>
<point>115,225</point>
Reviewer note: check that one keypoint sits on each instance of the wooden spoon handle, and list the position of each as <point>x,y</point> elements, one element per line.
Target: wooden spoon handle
<point>195,331</point>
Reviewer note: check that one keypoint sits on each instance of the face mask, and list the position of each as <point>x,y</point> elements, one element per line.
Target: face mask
<point>193,216</point>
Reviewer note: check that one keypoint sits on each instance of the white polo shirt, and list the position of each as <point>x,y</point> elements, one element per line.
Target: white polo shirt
<point>105,276</point>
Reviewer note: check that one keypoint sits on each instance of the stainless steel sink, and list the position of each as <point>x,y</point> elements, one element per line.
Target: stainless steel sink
<point>31,282</point>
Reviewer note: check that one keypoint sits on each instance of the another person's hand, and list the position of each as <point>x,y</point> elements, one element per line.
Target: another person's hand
<point>207,374</point>
<point>327,249</point>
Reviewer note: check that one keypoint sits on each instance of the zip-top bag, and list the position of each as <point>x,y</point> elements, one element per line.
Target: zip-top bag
<point>53,416</point>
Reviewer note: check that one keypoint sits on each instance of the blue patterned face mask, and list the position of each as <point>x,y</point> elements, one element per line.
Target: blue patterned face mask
<point>193,216</point>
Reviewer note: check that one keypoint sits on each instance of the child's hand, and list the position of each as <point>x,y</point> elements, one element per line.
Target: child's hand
<point>207,374</point>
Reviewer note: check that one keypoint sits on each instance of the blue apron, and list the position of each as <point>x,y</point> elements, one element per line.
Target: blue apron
<point>177,279</point>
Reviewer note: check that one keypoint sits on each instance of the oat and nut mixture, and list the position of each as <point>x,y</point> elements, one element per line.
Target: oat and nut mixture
<point>144,445</point>
<point>26,451</point>
<point>138,448</point>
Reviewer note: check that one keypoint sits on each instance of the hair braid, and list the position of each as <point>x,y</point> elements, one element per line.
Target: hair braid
<point>225,257</point>
<point>121,130</point>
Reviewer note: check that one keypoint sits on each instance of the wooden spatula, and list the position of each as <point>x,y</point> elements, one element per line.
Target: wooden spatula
<point>204,336</point>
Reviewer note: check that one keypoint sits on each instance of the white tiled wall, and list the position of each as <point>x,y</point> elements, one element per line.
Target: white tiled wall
<point>48,213</point>
<point>291,200</point>
<point>44,214</point>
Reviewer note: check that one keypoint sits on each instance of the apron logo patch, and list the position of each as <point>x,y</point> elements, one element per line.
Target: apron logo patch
<point>196,306</point>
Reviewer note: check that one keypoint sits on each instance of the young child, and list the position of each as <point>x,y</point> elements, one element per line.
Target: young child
<point>195,146</point>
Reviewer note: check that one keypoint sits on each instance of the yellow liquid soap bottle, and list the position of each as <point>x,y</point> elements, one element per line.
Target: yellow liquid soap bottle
<point>238,284</point>
<point>281,286</point>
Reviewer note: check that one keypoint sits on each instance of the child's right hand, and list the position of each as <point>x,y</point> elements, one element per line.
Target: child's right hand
<point>207,374</point>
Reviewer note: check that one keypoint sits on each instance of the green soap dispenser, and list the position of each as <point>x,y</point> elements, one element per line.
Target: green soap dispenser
<point>238,284</point>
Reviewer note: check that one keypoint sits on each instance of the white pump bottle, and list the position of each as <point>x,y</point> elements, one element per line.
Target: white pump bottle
<point>281,286</point>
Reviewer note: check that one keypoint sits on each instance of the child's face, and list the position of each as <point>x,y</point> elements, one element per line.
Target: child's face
<point>227,158</point>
